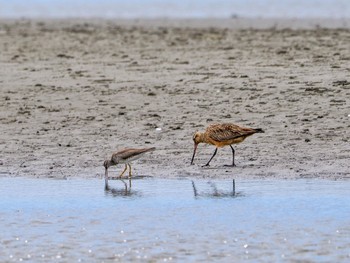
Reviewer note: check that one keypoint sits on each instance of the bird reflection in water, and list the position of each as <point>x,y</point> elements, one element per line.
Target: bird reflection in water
<point>122,191</point>
<point>215,192</point>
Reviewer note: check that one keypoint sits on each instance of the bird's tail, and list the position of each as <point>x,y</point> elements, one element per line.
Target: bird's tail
<point>259,130</point>
<point>150,149</point>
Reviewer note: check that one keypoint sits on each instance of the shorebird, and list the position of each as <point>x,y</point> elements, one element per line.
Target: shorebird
<point>125,156</point>
<point>221,135</point>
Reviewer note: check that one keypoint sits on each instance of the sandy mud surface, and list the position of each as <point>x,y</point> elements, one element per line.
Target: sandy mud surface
<point>73,92</point>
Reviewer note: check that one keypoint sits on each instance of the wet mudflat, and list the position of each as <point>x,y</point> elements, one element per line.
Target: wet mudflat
<point>161,220</point>
<point>121,84</point>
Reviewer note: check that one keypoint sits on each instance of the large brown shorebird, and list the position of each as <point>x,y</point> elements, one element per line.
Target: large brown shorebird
<point>125,156</point>
<point>221,135</point>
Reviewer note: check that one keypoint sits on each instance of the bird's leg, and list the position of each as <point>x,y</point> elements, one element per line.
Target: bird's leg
<point>212,157</point>
<point>233,157</point>
<point>129,170</point>
<point>126,167</point>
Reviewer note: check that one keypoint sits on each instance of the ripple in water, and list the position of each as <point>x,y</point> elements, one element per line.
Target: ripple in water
<point>269,220</point>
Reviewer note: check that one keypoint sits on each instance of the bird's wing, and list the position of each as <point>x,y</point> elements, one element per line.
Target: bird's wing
<point>130,153</point>
<point>223,132</point>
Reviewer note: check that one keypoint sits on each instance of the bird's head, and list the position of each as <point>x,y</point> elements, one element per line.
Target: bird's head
<point>107,164</point>
<point>197,138</point>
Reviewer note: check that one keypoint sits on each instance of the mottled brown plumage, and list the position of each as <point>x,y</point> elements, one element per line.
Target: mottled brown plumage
<point>221,135</point>
<point>124,156</point>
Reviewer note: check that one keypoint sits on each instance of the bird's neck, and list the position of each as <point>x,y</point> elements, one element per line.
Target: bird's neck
<point>202,138</point>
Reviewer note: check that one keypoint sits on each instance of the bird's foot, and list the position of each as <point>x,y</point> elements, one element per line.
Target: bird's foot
<point>207,165</point>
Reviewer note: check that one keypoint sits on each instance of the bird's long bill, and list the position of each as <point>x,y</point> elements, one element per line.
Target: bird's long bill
<point>106,174</point>
<point>194,152</point>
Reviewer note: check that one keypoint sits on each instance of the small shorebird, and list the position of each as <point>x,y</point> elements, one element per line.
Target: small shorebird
<point>221,135</point>
<point>124,156</point>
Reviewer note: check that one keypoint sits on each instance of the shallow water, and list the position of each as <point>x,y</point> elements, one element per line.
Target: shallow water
<point>175,8</point>
<point>161,220</point>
